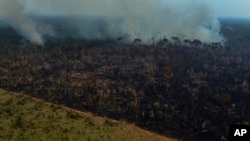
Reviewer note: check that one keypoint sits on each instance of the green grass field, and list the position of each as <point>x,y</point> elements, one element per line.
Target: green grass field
<point>23,118</point>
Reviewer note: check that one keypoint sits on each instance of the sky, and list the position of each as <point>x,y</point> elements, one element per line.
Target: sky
<point>222,8</point>
<point>230,8</point>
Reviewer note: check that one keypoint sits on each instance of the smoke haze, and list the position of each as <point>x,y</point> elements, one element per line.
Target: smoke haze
<point>144,19</point>
<point>13,12</point>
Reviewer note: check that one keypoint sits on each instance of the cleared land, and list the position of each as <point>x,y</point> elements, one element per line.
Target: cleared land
<point>178,89</point>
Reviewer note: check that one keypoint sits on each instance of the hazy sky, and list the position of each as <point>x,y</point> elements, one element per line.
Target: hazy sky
<point>223,8</point>
<point>230,8</point>
<point>192,19</point>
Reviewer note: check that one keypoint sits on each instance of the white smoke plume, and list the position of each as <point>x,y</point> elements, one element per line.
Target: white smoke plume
<point>14,13</point>
<point>144,19</point>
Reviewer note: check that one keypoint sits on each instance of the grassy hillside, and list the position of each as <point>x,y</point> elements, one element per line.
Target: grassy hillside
<point>23,118</point>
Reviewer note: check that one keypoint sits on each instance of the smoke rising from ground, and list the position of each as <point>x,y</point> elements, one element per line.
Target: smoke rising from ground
<point>13,12</point>
<point>144,19</point>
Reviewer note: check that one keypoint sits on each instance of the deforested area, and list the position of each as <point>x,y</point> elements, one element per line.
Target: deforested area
<point>180,89</point>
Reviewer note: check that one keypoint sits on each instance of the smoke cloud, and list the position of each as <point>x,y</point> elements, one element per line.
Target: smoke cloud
<point>91,19</point>
<point>14,13</point>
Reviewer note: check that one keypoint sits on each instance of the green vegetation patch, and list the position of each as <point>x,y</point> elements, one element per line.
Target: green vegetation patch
<point>25,119</point>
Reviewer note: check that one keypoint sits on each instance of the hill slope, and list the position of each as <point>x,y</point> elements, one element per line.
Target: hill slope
<point>26,118</point>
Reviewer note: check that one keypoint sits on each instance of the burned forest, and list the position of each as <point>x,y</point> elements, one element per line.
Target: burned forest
<point>186,89</point>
